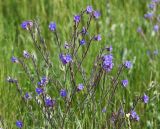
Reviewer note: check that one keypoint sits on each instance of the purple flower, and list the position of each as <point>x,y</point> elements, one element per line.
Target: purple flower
<point>43,81</point>
<point>155,52</point>
<point>89,9</point>
<point>26,24</point>
<point>77,18</point>
<point>151,6</point>
<point>63,93</point>
<point>82,42</point>
<point>134,115</point>
<point>107,63</point>
<point>80,87</point>
<point>52,26</point>
<point>39,90</point>
<point>96,14</point>
<point>148,52</point>
<point>145,98</point>
<point>108,57</point>
<point>128,64</point>
<point>124,83</point>
<point>156,28</point>
<point>104,110</point>
<point>155,1</point>
<point>109,48</point>
<point>121,112</point>
<point>14,59</point>
<point>108,66</point>
<point>26,54</point>
<point>27,96</point>
<point>148,15</point>
<point>139,30</point>
<point>98,37</point>
<point>49,102</point>
<point>19,124</point>
<point>137,118</point>
<point>65,58</point>
<point>113,117</point>
<point>68,58</point>
<point>84,30</point>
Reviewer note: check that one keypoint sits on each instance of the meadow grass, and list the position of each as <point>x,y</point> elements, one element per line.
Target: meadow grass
<point>118,27</point>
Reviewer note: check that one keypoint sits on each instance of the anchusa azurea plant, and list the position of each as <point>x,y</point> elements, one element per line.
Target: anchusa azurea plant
<point>67,93</point>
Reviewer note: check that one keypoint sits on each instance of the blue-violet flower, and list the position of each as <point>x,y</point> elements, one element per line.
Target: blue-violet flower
<point>77,18</point>
<point>39,90</point>
<point>65,58</point>
<point>14,59</point>
<point>145,98</point>
<point>89,9</point>
<point>124,83</point>
<point>52,26</point>
<point>26,24</point>
<point>19,124</point>
<point>96,14</point>
<point>80,87</point>
<point>63,93</point>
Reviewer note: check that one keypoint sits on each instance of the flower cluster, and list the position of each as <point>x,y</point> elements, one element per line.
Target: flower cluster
<point>14,59</point>
<point>63,93</point>
<point>149,16</point>
<point>97,37</point>
<point>124,83</point>
<point>43,81</point>
<point>134,115</point>
<point>39,90</point>
<point>49,102</point>
<point>108,62</point>
<point>19,124</point>
<point>65,59</point>
<point>26,25</point>
<point>89,9</point>
<point>128,64</point>
<point>27,96</point>
<point>52,26</point>
<point>82,42</point>
<point>80,87</point>
<point>26,54</point>
<point>96,14</point>
<point>145,98</point>
<point>77,18</point>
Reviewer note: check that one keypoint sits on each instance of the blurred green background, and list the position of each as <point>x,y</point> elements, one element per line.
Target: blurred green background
<point>118,26</point>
